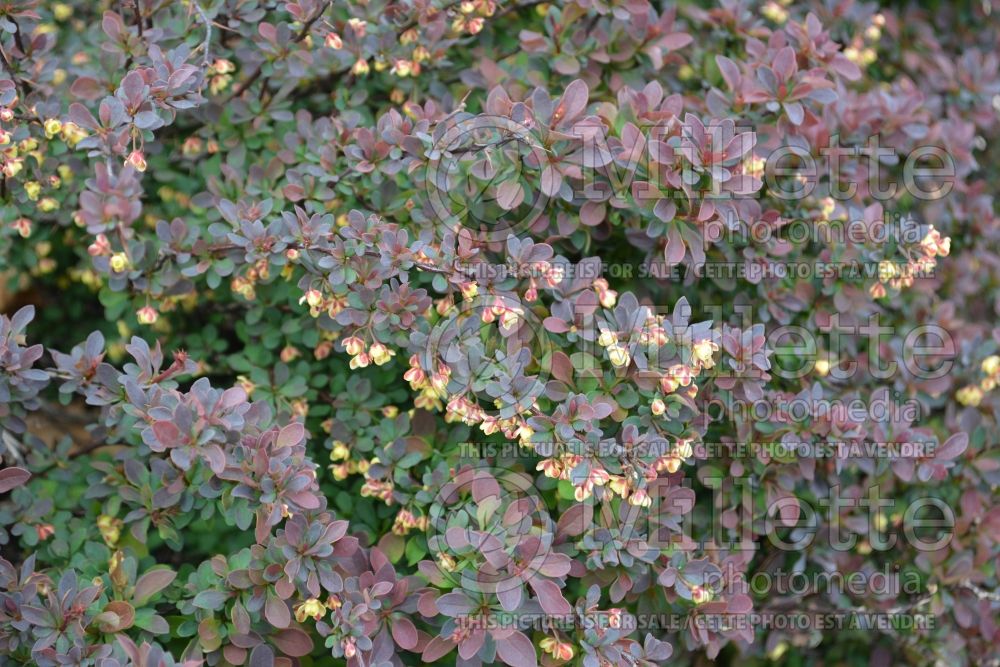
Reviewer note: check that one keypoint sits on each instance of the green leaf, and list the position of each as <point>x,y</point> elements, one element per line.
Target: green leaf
<point>211,600</point>
<point>416,549</point>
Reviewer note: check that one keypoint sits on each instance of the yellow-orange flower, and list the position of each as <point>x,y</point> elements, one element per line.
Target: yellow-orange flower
<point>311,608</point>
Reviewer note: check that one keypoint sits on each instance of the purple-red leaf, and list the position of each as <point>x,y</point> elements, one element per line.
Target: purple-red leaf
<point>11,478</point>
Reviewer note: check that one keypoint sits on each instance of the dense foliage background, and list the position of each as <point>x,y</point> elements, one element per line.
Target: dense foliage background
<point>384,331</point>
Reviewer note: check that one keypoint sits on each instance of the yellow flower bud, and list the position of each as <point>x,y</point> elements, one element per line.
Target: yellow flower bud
<point>223,66</point>
<point>774,12</point>
<point>607,338</point>
<point>640,498</point>
<point>47,205</point>
<point>147,315</point>
<point>61,11</point>
<point>360,67</point>
<point>619,356</point>
<point>33,189</point>
<point>703,351</point>
<point>446,562</point>
<point>561,651</point>
<point>340,451</point>
<point>119,262</point>
<point>470,290</point>
<point>971,396</point>
<point>73,134</point>
<point>137,160</point>
<point>402,68</point>
<point>991,365</point>
<point>700,595</point>
<point>381,354</point>
<point>110,529</point>
<point>12,168</point>
<point>313,297</point>
<point>53,126</point>
<point>333,41</point>
<point>311,608</point>
<point>353,346</point>
<point>359,26</point>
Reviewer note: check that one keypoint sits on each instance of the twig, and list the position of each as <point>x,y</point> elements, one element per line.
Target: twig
<point>18,39</point>
<point>10,68</point>
<point>222,248</point>
<point>413,23</point>
<point>138,15</point>
<point>206,57</point>
<point>24,86</point>
<point>981,593</point>
<point>333,78</point>
<point>249,81</point>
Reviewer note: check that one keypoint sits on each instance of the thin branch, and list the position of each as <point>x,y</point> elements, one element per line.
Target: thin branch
<point>10,69</point>
<point>206,56</point>
<point>415,22</point>
<point>24,86</point>
<point>981,593</point>
<point>249,81</point>
<point>137,7</point>
<point>333,78</point>
<point>18,39</point>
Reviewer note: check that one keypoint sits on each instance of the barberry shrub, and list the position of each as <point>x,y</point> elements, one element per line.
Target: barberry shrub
<point>488,332</point>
